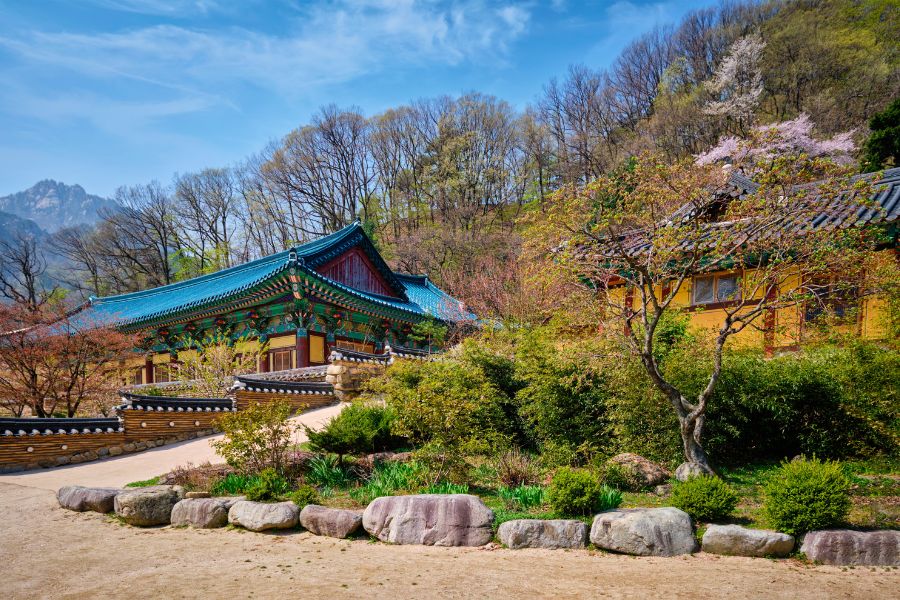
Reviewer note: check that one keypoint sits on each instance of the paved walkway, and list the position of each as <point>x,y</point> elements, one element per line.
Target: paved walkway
<point>117,471</point>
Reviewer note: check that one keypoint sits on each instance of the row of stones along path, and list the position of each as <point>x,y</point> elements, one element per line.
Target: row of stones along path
<point>119,470</point>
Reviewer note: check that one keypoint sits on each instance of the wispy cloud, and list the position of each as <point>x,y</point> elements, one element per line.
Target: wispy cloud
<point>332,43</point>
<point>159,7</point>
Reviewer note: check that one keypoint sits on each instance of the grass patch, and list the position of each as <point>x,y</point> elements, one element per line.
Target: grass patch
<point>144,483</point>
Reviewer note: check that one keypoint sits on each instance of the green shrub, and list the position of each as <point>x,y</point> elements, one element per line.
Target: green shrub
<point>257,437</point>
<point>447,403</point>
<point>303,495</point>
<point>232,484</point>
<point>563,399</point>
<point>389,478</point>
<point>704,498</point>
<point>575,492</point>
<point>522,497</point>
<point>622,477</point>
<point>358,429</point>
<point>267,486</point>
<point>804,495</point>
<point>327,471</point>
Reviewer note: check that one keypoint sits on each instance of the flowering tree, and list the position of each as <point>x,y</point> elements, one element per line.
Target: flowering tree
<point>737,84</point>
<point>214,359</point>
<point>636,239</point>
<point>785,139</point>
<point>54,360</point>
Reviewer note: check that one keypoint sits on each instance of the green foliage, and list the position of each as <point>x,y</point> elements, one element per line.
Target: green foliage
<point>327,471</point>
<point>430,332</point>
<point>256,438</point>
<point>621,477</point>
<point>267,486</point>
<point>446,402</point>
<point>144,483</point>
<point>805,495</point>
<point>303,495</point>
<point>563,400</point>
<point>358,429</point>
<point>829,401</point>
<point>446,487</point>
<point>575,492</point>
<point>389,478</point>
<point>704,498</point>
<point>521,497</point>
<point>232,484</point>
<point>883,146</point>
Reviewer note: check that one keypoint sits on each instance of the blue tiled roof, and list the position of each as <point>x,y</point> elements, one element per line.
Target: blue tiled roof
<point>419,296</point>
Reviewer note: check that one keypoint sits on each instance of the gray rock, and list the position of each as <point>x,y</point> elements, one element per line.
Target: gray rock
<point>691,469</point>
<point>846,547</point>
<point>663,490</point>
<point>650,473</point>
<point>148,506</point>
<point>76,497</point>
<point>430,519</point>
<point>735,540</point>
<point>644,531</point>
<point>260,516</point>
<point>230,501</point>
<point>203,513</point>
<point>536,533</point>
<point>115,450</point>
<point>332,522</point>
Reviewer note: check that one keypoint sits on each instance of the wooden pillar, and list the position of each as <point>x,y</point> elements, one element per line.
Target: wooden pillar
<point>264,362</point>
<point>148,367</point>
<point>302,349</point>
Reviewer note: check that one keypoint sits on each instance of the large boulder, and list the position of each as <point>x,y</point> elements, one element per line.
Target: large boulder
<point>97,499</point>
<point>735,540</point>
<point>845,547</point>
<point>203,513</point>
<point>649,473</point>
<point>260,516</point>
<point>687,470</point>
<point>644,531</point>
<point>430,519</point>
<point>536,533</point>
<point>332,522</point>
<point>148,506</point>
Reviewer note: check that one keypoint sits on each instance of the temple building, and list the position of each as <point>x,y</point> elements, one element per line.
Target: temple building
<point>336,292</point>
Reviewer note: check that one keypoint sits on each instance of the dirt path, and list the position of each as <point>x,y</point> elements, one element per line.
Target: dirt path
<point>139,466</point>
<point>50,552</point>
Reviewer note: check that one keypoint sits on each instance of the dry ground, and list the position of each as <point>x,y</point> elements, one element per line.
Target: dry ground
<point>48,552</point>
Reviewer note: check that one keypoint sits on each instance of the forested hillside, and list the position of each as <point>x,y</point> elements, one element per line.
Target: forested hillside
<point>441,181</point>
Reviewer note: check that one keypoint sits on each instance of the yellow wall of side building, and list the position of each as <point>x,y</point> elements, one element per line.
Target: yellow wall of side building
<point>788,321</point>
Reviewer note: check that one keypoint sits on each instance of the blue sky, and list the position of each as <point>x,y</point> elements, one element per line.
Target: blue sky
<point>118,92</point>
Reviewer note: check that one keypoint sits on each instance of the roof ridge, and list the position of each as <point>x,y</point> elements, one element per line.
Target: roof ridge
<point>271,258</point>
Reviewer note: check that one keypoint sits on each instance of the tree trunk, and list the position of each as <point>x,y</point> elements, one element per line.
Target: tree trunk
<point>691,434</point>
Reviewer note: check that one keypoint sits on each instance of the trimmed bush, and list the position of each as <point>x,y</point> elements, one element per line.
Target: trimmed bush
<point>704,498</point>
<point>358,429</point>
<point>575,492</point>
<point>257,437</point>
<point>804,495</point>
<point>303,495</point>
<point>267,486</point>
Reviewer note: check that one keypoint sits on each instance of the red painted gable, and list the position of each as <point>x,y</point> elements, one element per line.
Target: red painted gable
<point>355,269</point>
